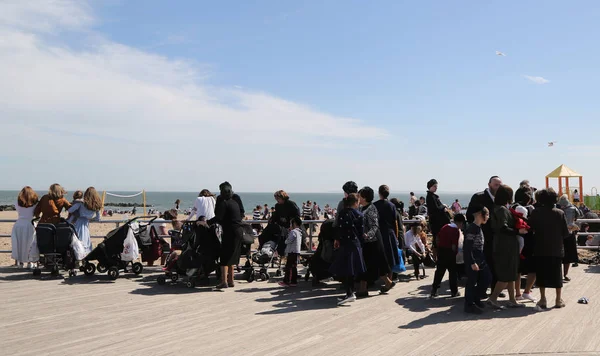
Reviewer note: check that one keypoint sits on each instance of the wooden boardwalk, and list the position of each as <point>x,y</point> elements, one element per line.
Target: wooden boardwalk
<point>136,316</point>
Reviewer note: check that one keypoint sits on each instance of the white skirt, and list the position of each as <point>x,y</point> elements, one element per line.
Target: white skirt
<point>22,236</point>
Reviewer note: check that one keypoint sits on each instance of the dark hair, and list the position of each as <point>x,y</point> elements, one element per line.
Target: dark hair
<point>504,195</point>
<point>225,184</point>
<point>384,191</point>
<point>459,218</point>
<point>226,192</point>
<point>492,178</point>
<point>350,200</point>
<point>480,209</point>
<point>367,193</point>
<point>281,194</point>
<point>431,183</point>
<point>397,203</point>
<point>418,203</point>
<point>548,197</point>
<point>350,187</point>
<point>412,193</point>
<point>421,198</point>
<point>296,221</point>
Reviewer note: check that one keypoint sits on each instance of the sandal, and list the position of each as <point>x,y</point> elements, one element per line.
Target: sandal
<point>515,305</point>
<point>560,304</point>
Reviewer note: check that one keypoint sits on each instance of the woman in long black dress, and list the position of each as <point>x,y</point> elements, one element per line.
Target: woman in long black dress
<point>228,214</point>
<point>374,257</point>
<point>387,226</point>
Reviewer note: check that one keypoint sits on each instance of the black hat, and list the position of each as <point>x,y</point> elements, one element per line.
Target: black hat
<point>431,183</point>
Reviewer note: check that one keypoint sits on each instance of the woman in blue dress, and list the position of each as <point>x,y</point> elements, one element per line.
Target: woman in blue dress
<point>87,210</point>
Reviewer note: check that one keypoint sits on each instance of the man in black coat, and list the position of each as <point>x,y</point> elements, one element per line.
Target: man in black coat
<point>486,198</point>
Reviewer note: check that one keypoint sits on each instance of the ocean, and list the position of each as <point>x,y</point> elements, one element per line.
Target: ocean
<point>166,200</point>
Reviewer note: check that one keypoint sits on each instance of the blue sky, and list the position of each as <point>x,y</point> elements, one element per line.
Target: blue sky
<point>392,92</point>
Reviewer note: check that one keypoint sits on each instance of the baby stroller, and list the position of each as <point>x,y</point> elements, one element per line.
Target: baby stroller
<point>320,262</point>
<point>199,254</point>
<point>271,245</point>
<point>108,252</point>
<point>54,245</point>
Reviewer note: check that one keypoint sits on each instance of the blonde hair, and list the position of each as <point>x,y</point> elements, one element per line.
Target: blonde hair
<point>27,197</point>
<point>92,200</point>
<point>56,191</point>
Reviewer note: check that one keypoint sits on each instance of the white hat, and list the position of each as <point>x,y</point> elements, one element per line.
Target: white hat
<point>522,210</point>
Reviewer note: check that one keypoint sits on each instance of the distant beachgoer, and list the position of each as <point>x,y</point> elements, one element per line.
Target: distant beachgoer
<point>177,203</point>
<point>266,212</point>
<point>576,196</point>
<point>77,199</point>
<point>412,199</point>
<point>23,231</point>
<point>256,215</point>
<point>51,205</point>
<point>456,207</point>
<point>422,208</point>
<point>86,211</point>
<point>307,211</point>
<point>204,205</point>
<point>133,211</point>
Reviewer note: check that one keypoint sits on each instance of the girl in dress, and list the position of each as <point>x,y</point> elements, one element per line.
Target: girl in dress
<point>23,231</point>
<point>348,262</point>
<point>86,211</point>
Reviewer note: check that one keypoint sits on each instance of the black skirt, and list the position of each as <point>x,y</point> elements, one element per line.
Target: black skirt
<point>231,246</point>
<point>570,244</point>
<point>348,260</point>
<point>375,261</point>
<point>390,248</point>
<point>548,272</point>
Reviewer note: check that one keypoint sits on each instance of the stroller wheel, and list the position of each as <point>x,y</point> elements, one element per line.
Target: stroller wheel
<point>250,278</point>
<point>113,273</point>
<point>89,269</point>
<point>174,277</point>
<point>137,268</point>
<point>72,273</point>
<point>161,280</point>
<point>278,273</point>
<point>54,270</point>
<point>37,272</point>
<point>101,268</point>
<point>264,277</point>
<point>190,284</point>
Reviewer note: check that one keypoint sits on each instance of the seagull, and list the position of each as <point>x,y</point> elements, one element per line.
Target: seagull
<point>498,53</point>
<point>551,144</point>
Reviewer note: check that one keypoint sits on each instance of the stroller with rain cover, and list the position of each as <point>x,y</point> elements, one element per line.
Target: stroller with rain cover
<point>199,254</point>
<point>54,242</point>
<point>108,252</point>
<point>319,263</point>
<point>271,246</point>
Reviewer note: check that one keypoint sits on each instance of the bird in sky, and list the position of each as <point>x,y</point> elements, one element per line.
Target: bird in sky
<point>551,144</point>
<point>498,53</point>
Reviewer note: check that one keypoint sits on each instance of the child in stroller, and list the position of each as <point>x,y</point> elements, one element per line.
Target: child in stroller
<point>199,254</point>
<point>271,245</point>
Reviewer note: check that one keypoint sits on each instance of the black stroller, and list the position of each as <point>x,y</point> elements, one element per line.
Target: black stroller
<point>271,246</point>
<point>199,254</point>
<point>54,244</point>
<point>108,252</point>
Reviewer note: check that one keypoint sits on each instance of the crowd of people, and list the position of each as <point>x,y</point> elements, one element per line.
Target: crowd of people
<point>502,236</point>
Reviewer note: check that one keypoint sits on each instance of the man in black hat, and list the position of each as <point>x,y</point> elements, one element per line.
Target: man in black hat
<point>436,210</point>
<point>486,198</point>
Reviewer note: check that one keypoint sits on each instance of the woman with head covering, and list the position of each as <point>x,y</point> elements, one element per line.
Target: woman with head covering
<point>571,214</point>
<point>549,226</point>
<point>228,214</point>
<point>436,210</point>
<point>506,247</point>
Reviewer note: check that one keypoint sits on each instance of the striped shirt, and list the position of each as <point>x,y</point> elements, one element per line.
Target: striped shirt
<point>256,215</point>
<point>307,211</point>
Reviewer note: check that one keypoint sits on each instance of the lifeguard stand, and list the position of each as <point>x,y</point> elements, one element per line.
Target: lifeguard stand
<point>565,172</point>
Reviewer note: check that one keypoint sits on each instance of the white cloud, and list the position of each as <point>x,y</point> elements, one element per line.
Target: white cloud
<point>138,109</point>
<point>537,80</point>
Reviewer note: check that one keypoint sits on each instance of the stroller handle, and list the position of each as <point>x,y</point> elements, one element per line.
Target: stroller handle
<point>151,217</point>
<point>34,220</point>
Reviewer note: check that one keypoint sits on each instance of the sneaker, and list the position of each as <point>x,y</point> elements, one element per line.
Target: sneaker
<point>527,296</point>
<point>347,299</point>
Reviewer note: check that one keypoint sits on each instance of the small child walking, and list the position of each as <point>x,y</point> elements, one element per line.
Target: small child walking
<point>292,251</point>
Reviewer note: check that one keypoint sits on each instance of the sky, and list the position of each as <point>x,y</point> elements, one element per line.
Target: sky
<point>301,96</point>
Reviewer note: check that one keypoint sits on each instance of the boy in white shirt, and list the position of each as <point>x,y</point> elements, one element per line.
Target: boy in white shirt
<point>292,251</point>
